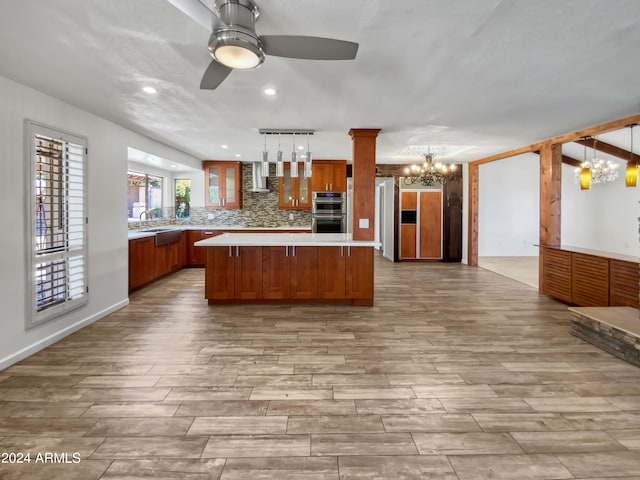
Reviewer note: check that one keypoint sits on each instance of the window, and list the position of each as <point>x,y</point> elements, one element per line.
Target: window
<point>144,196</point>
<point>58,198</point>
<point>183,197</point>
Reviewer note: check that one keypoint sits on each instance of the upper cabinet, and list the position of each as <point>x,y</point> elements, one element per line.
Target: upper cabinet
<point>329,176</point>
<point>294,192</point>
<point>223,184</point>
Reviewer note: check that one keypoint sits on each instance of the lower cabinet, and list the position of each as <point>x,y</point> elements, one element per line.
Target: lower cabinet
<point>196,256</point>
<point>589,280</point>
<point>282,274</point>
<point>141,262</point>
<point>233,273</point>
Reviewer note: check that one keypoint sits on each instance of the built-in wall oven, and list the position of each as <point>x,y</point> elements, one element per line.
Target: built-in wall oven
<point>329,213</point>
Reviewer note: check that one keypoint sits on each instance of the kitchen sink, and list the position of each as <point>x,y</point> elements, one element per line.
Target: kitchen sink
<point>165,236</point>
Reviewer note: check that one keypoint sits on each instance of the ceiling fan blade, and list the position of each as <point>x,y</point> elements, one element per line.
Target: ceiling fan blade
<point>309,48</point>
<point>214,75</point>
<point>199,12</point>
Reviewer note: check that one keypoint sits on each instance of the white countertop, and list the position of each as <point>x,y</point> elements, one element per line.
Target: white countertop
<point>285,239</point>
<point>141,233</point>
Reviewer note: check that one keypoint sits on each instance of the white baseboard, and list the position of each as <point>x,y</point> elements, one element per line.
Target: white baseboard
<point>53,338</point>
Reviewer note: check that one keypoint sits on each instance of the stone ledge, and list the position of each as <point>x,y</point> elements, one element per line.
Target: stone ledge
<point>613,329</point>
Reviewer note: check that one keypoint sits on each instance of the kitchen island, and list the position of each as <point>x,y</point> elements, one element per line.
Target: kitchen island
<point>250,268</point>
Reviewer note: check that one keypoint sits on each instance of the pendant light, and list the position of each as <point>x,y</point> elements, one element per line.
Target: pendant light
<point>585,172</point>
<point>307,162</point>
<point>631,176</point>
<point>279,162</point>
<point>294,161</point>
<point>265,159</point>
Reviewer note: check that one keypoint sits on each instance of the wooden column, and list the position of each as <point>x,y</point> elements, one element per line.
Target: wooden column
<point>472,231</point>
<point>550,200</point>
<point>364,181</point>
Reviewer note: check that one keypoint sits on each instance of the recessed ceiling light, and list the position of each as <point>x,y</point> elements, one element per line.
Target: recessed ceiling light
<point>237,154</point>
<point>224,146</point>
<point>149,90</point>
<point>270,91</point>
<point>300,147</point>
<point>174,166</point>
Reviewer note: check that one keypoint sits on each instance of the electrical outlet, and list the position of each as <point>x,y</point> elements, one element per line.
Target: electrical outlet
<point>210,216</point>
<point>291,216</point>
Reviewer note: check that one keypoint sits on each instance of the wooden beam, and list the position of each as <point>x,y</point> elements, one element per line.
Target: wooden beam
<point>550,194</point>
<point>567,137</point>
<point>609,149</point>
<point>566,159</point>
<point>472,232</point>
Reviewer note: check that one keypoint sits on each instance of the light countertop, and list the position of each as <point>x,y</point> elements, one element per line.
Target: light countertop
<point>133,234</point>
<point>285,239</point>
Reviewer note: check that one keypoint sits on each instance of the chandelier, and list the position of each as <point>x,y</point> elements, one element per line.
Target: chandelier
<point>430,173</point>
<point>595,171</point>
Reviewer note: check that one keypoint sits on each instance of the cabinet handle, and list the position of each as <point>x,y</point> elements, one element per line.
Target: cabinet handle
<point>293,251</point>
<point>326,187</point>
<point>293,203</point>
<point>237,251</point>
<point>230,254</point>
<point>349,250</point>
<point>208,233</point>
<point>341,251</point>
<point>286,251</point>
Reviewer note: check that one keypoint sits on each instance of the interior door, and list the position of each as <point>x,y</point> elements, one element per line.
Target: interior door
<point>431,224</point>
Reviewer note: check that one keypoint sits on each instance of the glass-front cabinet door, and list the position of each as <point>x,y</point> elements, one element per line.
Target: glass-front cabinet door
<point>294,193</point>
<point>222,184</point>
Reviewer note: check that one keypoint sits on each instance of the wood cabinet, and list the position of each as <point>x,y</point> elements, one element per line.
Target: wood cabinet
<point>588,279</point>
<point>331,272</point>
<point>233,273</point>
<point>421,224</point>
<point>141,262</point>
<point>304,272</point>
<point>283,274</point>
<point>294,193</point>
<point>223,184</point>
<point>170,258</point>
<point>359,275</point>
<point>196,256</point>
<point>276,273</point>
<point>329,176</point>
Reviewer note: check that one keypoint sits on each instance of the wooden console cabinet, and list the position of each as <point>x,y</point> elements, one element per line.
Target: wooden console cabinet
<point>588,278</point>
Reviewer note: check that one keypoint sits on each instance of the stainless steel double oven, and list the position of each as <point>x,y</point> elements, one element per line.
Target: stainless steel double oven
<point>329,212</point>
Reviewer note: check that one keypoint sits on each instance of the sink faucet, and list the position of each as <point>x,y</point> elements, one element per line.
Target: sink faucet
<point>148,213</point>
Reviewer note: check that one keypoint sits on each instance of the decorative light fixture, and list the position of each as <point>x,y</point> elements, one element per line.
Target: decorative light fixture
<point>237,45</point>
<point>279,162</point>
<point>429,174</point>
<point>631,175</point>
<point>595,171</point>
<point>293,172</point>
<point>308,165</point>
<point>265,159</point>
<point>294,161</point>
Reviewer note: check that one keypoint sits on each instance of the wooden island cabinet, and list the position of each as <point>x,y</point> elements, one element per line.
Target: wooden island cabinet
<point>305,268</point>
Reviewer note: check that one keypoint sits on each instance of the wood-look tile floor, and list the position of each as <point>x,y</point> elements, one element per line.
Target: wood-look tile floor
<point>455,373</point>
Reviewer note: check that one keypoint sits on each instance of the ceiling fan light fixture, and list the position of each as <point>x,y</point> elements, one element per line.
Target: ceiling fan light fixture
<point>236,49</point>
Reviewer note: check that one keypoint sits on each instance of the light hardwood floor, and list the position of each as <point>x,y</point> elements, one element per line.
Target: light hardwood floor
<point>455,373</point>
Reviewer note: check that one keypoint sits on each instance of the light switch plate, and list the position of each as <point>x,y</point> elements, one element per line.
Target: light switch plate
<point>363,223</point>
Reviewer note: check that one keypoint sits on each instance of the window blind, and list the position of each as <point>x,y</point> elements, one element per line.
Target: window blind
<point>58,223</point>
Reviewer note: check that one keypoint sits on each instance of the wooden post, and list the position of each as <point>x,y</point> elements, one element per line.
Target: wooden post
<point>550,201</point>
<point>472,231</point>
<point>364,181</point>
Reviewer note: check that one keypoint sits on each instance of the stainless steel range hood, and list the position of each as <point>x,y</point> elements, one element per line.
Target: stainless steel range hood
<point>259,182</point>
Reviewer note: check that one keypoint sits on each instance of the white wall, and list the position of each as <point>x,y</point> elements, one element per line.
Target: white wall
<point>605,217</point>
<point>107,186</point>
<point>509,200</point>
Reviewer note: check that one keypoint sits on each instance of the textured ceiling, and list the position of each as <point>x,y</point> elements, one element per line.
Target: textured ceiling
<point>488,73</point>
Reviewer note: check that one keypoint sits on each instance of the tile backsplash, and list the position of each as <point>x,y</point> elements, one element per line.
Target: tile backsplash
<point>259,209</point>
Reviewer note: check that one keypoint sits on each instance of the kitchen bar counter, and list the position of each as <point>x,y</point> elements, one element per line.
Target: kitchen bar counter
<point>285,239</point>
<point>285,268</point>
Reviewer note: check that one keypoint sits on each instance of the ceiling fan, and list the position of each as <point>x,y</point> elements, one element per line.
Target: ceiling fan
<point>235,44</point>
